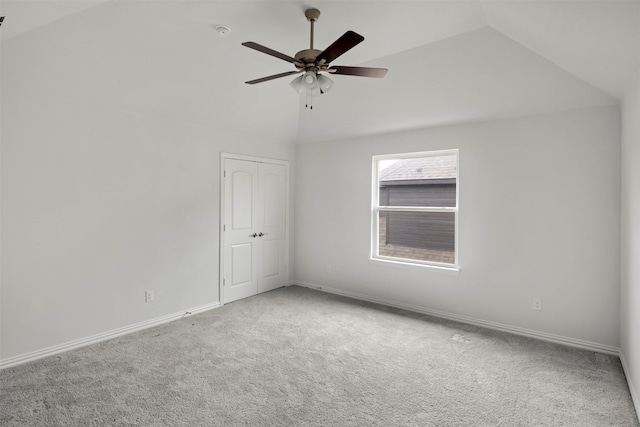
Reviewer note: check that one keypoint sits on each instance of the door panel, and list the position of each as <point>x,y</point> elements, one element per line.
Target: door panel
<point>241,257</point>
<point>270,258</point>
<point>242,200</point>
<point>272,199</point>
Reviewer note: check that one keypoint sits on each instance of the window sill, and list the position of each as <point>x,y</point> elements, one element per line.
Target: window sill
<point>455,270</point>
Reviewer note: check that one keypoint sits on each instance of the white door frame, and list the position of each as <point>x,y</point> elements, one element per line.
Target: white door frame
<point>224,156</point>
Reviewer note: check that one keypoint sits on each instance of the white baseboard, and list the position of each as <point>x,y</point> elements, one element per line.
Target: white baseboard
<point>632,388</point>
<point>587,345</point>
<point>50,351</point>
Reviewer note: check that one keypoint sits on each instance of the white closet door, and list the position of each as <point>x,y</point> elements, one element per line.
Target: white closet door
<point>254,245</point>
<point>240,207</point>
<point>271,223</point>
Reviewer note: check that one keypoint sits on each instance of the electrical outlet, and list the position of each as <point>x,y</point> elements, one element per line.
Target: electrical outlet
<point>537,304</point>
<point>148,296</point>
<point>328,268</point>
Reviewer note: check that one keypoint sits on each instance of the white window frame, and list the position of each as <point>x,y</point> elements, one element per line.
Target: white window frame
<point>375,210</point>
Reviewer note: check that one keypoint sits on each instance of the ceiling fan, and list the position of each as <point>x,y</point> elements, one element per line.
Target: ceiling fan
<point>313,62</point>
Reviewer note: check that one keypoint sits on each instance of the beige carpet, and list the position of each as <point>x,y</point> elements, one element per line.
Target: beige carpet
<point>299,357</point>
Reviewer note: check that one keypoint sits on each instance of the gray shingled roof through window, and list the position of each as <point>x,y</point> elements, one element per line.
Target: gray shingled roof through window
<point>432,167</point>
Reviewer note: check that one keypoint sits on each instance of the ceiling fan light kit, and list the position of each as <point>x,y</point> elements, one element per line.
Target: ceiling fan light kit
<point>310,80</point>
<point>324,83</point>
<point>313,62</point>
<point>297,84</point>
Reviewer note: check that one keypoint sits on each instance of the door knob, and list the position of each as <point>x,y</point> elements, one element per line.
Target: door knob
<point>253,235</point>
<point>261,234</point>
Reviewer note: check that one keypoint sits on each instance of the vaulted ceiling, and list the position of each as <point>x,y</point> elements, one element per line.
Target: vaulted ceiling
<point>448,61</point>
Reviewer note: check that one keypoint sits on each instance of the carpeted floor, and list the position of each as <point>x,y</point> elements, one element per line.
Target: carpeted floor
<point>299,357</point>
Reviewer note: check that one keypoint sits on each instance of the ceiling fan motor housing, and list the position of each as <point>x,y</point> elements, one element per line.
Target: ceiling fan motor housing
<point>308,58</point>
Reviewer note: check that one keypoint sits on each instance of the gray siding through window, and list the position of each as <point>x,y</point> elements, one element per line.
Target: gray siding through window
<point>417,193</point>
<point>424,230</point>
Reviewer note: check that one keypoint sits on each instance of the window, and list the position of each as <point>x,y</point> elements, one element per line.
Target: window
<point>415,208</point>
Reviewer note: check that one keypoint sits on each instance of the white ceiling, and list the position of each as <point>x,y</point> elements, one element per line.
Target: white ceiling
<point>449,61</point>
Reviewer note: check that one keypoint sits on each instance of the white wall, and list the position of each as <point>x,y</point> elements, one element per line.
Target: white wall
<point>99,205</point>
<point>539,217</point>
<point>630,230</point>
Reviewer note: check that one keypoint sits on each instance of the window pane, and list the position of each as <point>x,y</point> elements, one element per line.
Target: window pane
<point>422,181</point>
<point>424,236</point>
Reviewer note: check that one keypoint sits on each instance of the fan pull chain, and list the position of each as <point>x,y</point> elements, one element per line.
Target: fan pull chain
<point>309,103</point>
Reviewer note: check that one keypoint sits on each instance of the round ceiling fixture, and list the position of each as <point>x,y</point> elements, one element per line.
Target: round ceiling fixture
<point>223,31</point>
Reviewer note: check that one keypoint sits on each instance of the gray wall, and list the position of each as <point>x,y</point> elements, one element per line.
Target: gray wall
<point>99,205</point>
<point>539,217</point>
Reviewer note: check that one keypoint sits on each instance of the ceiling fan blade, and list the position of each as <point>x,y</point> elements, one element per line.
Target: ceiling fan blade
<point>340,46</point>
<point>275,76</point>
<point>268,51</point>
<point>359,71</point>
